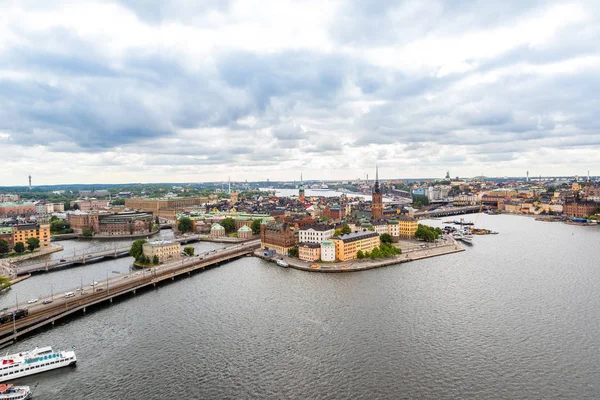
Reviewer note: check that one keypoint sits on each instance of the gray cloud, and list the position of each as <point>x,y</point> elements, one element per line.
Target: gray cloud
<point>184,103</point>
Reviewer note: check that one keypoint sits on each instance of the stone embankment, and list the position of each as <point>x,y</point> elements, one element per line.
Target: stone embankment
<point>366,264</point>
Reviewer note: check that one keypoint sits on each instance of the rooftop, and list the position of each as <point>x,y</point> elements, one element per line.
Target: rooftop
<point>354,236</point>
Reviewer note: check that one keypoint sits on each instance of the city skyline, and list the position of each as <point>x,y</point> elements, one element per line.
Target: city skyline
<point>249,90</point>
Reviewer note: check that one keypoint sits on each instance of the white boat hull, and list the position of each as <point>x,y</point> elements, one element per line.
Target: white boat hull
<point>22,369</point>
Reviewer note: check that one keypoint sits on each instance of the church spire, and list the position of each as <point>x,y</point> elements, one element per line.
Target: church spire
<point>376,188</point>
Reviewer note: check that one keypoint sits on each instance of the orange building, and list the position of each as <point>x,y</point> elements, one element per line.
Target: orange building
<point>23,232</point>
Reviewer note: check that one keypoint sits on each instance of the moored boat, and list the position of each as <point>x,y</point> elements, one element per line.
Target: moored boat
<point>33,362</point>
<point>282,263</point>
<point>11,392</point>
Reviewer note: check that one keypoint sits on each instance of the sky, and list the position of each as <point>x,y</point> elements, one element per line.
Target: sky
<point>196,91</point>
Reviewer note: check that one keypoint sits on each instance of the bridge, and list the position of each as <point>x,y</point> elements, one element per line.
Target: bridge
<point>88,258</point>
<point>449,211</point>
<point>59,306</point>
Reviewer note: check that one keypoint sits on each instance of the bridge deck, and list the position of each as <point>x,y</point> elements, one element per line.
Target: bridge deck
<point>43,314</point>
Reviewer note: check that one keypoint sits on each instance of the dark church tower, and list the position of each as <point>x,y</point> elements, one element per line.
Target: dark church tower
<point>377,198</point>
<point>301,190</point>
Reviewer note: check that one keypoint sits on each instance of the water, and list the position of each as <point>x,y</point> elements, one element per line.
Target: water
<point>515,316</point>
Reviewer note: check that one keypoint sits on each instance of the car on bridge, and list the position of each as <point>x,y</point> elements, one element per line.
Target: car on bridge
<point>32,301</point>
<point>48,301</point>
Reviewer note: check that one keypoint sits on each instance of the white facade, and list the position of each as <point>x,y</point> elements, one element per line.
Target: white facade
<point>393,230</point>
<point>311,235</point>
<point>381,229</point>
<point>328,251</point>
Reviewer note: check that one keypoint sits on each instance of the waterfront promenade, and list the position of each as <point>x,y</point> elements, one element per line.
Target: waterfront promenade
<point>411,253</point>
<point>59,306</point>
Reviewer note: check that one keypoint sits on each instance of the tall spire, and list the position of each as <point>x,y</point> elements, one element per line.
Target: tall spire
<point>376,186</point>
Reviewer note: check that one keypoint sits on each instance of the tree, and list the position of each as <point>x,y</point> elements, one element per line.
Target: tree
<point>87,232</point>
<point>337,232</point>
<point>255,226</point>
<point>185,225</point>
<point>58,225</point>
<point>75,206</point>
<point>293,252</point>
<point>346,229</point>
<point>155,260</point>
<point>385,238</point>
<point>19,247</point>
<point>360,255</point>
<point>53,218</point>
<point>228,224</point>
<point>32,243</point>
<point>131,228</point>
<point>118,202</point>
<point>4,282</point>
<point>4,247</point>
<point>427,233</point>
<point>372,228</point>
<point>189,250</point>
<point>137,249</point>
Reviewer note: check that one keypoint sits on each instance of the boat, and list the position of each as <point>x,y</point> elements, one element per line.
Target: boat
<point>35,361</point>
<point>463,236</point>
<point>322,186</point>
<point>282,263</point>
<point>10,392</point>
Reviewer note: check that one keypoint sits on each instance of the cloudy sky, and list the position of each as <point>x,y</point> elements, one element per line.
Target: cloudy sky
<point>191,91</point>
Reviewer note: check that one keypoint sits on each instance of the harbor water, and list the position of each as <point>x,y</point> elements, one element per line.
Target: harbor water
<point>515,316</point>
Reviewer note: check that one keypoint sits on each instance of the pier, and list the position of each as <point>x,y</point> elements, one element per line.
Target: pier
<point>41,314</point>
<point>449,211</point>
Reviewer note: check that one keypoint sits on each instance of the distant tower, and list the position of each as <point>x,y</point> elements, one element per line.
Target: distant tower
<point>229,189</point>
<point>301,189</point>
<point>29,182</point>
<point>448,175</point>
<point>527,176</point>
<point>588,175</point>
<point>377,198</point>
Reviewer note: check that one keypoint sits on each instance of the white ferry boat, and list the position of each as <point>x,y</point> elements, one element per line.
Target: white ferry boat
<point>33,362</point>
<point>10,392</point>
<point>282,263</point>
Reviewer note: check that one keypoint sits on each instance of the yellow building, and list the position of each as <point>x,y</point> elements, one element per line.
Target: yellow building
<point>346,246</point>
<point>407,226</point>
<point>164,250</point>
<point>23,232</point>
<point>309,251</point>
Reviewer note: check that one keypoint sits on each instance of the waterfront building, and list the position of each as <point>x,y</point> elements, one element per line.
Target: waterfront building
<point>124,224</point>
<point>328,251</point>
<point>121,224</point>
<point>315,233</point>
<point>79,220</point>
<point>164,250</point>
<point>244,232</point>
<point>11,209</point>
<point>22,232</point>
<point>6,233</point>
<point>376,198</point>
<point>346,246</point>
<point>581,209</point>
<point>309,251</point>
<point>217,230</point>
<point>277,236</point>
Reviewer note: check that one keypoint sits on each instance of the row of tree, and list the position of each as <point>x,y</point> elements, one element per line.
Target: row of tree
<point>185,225</point>
<point>19,247</point>
<point>383,251</point>
<point>428,233</point>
